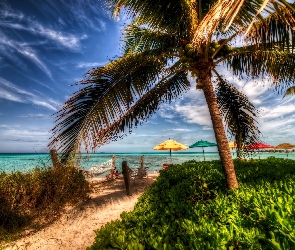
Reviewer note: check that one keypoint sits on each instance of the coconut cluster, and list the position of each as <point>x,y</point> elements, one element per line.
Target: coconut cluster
<point>225,49</point>
<point>188,54</point>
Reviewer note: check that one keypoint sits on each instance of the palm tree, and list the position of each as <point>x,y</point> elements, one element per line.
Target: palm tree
<point>165,43</point>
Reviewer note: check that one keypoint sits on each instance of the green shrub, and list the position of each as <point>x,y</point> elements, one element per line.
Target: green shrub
<point>188,207</point>
<point>40,192</point>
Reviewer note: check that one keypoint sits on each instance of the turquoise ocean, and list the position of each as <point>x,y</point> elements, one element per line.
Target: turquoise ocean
<point>24,162</point>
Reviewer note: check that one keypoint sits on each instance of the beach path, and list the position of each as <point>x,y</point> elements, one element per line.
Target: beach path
<point>75,227</point>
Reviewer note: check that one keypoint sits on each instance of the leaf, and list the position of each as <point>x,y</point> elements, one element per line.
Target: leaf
<point>289,91</point>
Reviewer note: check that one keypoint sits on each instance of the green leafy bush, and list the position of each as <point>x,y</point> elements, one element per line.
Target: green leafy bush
<point>40,192</point>
<point>188,207</point>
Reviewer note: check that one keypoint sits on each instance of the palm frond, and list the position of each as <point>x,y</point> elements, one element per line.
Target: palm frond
<point>241,20</point>
<point>256,62</point>
<point>170,15</point>
<point>137,39</point>
<point>235,16</point>
<point>223,14</point>
<point>212,19</point>
<point>254,11</point>
<point>276,28</point>
<point>164,91</point>
<point>98,112</point>
<point>238,113</point>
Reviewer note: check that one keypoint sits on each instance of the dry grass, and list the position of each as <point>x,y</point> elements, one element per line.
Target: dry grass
<point>74,228</point>
<point>33,199</point>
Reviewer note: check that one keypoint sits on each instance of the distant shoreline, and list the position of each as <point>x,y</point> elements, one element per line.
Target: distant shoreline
<point>157,153</point>
<point>11,162</point>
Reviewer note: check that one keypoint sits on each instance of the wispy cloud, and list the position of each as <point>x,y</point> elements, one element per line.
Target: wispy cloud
<point>21,140</point>
<point>77,14</point>
<point>135,135</point>
<point>25,133</point>
<point>29,25</point>
<point>256,92</point>
<point>11,92</point>
<point>83,9</point>
<point>31,54</point>
<point>172,121</point>
<point>181,129</point>
<point>102,25</point>
<point>39,116</point>
<point>10,47</point>
<point>9,96</point>
<point>8,14</point>
<point>207,128</point>
<point>276,112</point>
<point>4,126</point>
<point>23,137</point>
<point>166,111</point>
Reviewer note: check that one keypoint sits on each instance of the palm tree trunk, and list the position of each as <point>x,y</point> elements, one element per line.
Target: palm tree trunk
<point>204,80</point>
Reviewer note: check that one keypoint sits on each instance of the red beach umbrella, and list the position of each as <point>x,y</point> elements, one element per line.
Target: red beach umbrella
<point>259,145</point>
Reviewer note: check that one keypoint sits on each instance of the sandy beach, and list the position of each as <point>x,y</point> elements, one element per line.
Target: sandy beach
<point>75,227</point>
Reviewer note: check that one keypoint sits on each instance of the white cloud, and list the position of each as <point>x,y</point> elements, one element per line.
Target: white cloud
<point>255,92</point>
<point>166,111</point>
<point>194,114</point>
<point>89,65</point>
<point>277,111</point>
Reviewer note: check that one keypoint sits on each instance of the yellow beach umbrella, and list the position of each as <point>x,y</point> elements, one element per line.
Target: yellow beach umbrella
<point>170,145</point>
<point>232,145</point>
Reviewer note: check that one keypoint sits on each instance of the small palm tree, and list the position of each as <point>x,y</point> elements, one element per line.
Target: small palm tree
<point>164,44</point>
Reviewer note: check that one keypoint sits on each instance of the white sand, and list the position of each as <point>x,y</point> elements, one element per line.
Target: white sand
<point>75,228</point>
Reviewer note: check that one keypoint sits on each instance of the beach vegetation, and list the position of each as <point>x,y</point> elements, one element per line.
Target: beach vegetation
<point>165,44</point>
<point>187,207</point>
<point>34,198</point>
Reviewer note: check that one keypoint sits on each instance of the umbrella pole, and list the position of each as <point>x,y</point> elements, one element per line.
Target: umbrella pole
<point>203,153</point>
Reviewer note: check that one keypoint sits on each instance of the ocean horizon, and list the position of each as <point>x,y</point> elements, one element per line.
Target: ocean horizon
<point>11,162</point>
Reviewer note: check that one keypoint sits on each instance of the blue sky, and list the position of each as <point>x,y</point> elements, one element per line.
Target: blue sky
<point>47,46</point>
